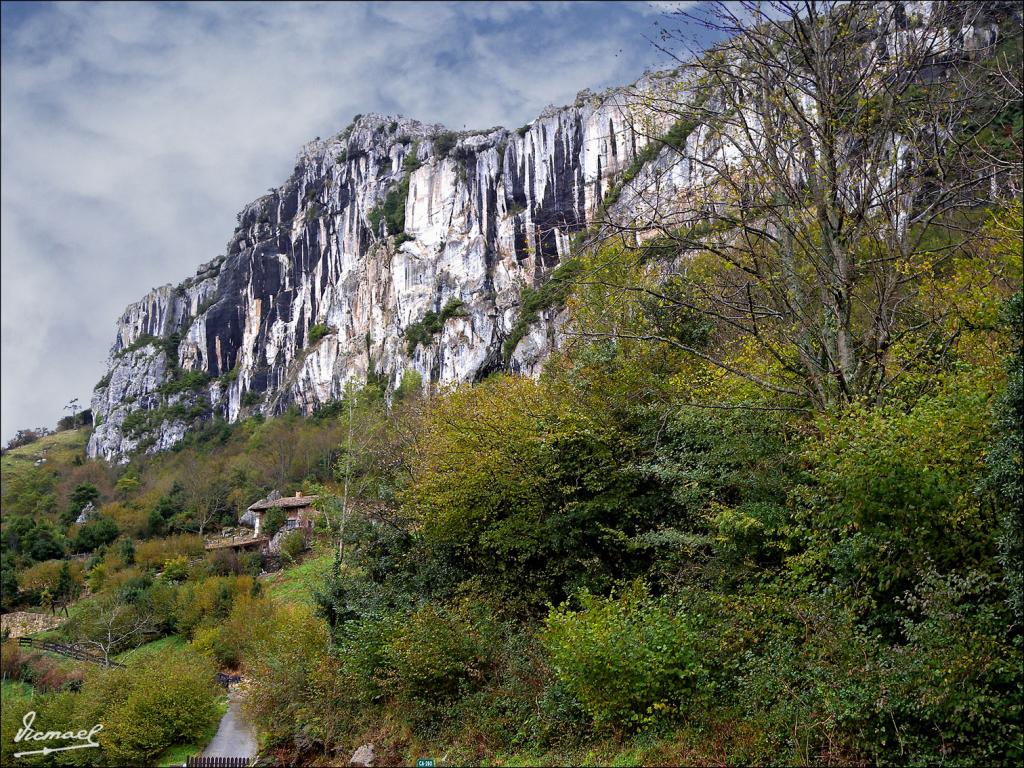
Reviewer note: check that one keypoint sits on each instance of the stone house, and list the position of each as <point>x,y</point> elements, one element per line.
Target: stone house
<point>298,511</point>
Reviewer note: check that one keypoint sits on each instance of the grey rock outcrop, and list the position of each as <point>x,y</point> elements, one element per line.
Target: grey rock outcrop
<point>364,756</point>
<point>87,512</point>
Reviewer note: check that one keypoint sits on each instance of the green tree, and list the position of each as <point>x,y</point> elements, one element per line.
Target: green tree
<point>95,533</point>
<point>168,510</point>
<point>44,542</point>
<point>126,549</point>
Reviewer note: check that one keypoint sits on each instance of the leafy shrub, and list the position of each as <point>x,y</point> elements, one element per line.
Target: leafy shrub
<point>293,545</point>
<point>437,653</point>
<point>286,654</point>
<point>47,676</point>
<point>46,576</point>
<point>131,518</point>
<point>12,661</point>
<point>251,398</point>
<point>167,698</point>
<point>422,331</point>
<point>392,210</point>
<point>412,161</point>
<point>410,386</point>
<point>175,569</point>
<point>273,520</point>
<point>209,601</point>
<point>444,143</point>
<point>30,495</point>
<point>627,659</point>
<point>230,642</point>
<point>230,376</point>
<point>1006,479</point>
<point>145,340</point>
<point>821,684</point>
<point>317,332</point>
<point>190,380</point>
<point>223,562</point>
<point>250,563</point>
<point>562,519</point>
<point>902,482</point>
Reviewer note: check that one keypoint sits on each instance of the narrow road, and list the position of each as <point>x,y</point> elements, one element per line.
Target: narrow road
<point>234,737</point>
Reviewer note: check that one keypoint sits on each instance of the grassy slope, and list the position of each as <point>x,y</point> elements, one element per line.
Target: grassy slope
<point>297,584</point>
<point>59,448</point>
<point>135,655</point>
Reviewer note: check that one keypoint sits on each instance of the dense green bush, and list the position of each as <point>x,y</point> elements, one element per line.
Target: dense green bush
<point>628,659</point>
<point>895,493</point>
<point>541,501</point>
<point>95,533</point>
<point>392,210</point>
<point>273,520</point>
<point>187,381</point>
<point>293,545</point>
<point>436,653</point>
<point>289,650</point>
<point>316,332</point>
<point>252,397</point>
<point>444,143</point>
<point>821,684</point>
<point>168,511</point>
<point>168,698</point>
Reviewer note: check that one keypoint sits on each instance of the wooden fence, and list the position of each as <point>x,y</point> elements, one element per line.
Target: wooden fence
<point>67,650</point>
<point>197,761</point>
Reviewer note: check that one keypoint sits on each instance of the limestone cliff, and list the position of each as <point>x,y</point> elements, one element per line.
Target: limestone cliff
<point>394,246</point>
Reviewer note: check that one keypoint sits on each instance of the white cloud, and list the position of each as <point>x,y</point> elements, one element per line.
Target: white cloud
<point>132,133</point>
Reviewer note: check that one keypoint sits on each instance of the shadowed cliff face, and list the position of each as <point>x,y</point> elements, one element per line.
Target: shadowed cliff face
<point>484,214</point>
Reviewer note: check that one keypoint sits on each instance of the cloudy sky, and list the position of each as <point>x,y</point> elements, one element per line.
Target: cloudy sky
<point>131,134</point>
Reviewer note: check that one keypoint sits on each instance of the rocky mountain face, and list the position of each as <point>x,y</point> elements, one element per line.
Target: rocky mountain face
<point>398,247</point>
<point>393,247</point>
